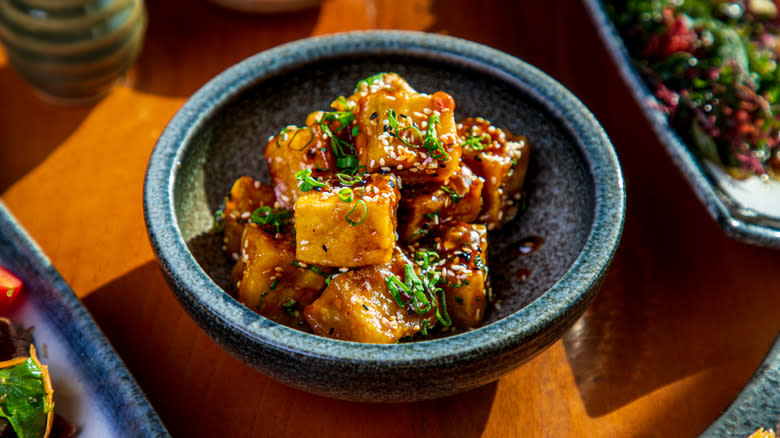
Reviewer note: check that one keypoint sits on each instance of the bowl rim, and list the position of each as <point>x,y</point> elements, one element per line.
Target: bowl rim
<point>194,287</point>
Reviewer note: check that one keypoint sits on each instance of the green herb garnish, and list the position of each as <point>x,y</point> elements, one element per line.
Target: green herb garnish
<point>297,131</point>
<point>478,143</point>
<point>379,77</point>
<point>345,194</point>
<point>278,217</point>
<point>355,223</point>
<point>453,194</point>
<point>306,181</point>
<point>219,221</point>
<point>25,395</point>
<point>291,307</point>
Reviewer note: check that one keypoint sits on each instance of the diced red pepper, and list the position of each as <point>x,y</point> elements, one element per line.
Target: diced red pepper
<point>10,286</point>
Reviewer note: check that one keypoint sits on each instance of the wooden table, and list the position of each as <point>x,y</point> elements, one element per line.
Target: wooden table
<point>684,318</point>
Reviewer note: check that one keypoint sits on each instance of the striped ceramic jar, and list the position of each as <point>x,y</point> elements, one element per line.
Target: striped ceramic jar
<point>72,50</point>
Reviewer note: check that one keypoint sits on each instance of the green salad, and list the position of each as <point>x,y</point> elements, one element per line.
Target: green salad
<point>712,66</point>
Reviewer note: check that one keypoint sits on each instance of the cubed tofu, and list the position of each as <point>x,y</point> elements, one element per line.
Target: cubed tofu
<point>358,306</point>
<point>426,206</point>
<point>245,197</point>
<point>463,247</point>
<point>332,232</point>
<point>295,149</point>
<point>412,134</point>
<point>271,282</point>
<point>502,160</point>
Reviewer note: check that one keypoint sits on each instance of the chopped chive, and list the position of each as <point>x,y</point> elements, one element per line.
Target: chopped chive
<point>306,181</point>
<point>424,328</point>
<point>291,307</point>
<point>265,215</point>
<point>219,221</point>
<point>478,143</point>
<point>453,194</point>
<point>262,301</point>
<point>317,270</point>
<point>459,300</point>
<point>364,216</point>
<point>348,180</point>
<point>345,194</point>
<point>370,80</point>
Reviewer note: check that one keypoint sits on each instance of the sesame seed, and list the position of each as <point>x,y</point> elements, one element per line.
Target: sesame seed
<point>381,161</point>
<point>245,215</point>
<point>343,269</point>
<point>235,256</point>
<point>427,110</point>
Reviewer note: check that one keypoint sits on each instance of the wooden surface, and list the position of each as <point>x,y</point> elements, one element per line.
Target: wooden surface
<point>683,320</point>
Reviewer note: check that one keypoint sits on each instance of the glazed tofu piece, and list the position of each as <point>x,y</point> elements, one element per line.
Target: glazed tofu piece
<point>244,198</point>
<point>463,247</point>
<point>409,133</point>
<point>294,149</point>
<point>460,198</point>
<point>358,306</point>
<point>502,160</point>
<point>270,281</point>
<point>333,229</point>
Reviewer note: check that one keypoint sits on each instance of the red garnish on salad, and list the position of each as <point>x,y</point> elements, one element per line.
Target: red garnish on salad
<point>10,286</point>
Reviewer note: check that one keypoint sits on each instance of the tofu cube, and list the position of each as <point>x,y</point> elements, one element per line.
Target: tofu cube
<point>295,149</point>
<point>269,280</point>
<point>245,197</point>
<point>460,198</point>
<point>332,232</point>
<point>502,160</point>
<point>413,134</point>
<point>464,250</point>
<point>357,306</point>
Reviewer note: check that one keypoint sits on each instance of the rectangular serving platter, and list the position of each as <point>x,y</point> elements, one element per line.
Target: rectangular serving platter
<point>92,387</point>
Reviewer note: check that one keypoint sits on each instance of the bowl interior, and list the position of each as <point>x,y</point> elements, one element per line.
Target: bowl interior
<point>559,186</point>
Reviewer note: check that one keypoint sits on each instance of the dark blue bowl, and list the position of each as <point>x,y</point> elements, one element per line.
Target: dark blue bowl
<point>575,194</point>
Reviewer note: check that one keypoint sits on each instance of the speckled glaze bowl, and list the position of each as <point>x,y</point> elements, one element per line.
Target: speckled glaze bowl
<point>576,205</point>
<point>72,51</point>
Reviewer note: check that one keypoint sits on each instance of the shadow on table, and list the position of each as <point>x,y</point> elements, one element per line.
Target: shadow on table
<point>190,38</point>
<point>200,390</point>
<point>46,125</point>
<point>683,304</point>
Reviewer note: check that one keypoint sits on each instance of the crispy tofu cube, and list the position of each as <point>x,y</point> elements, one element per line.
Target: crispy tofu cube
<point>332,232</point>
<point>295,149</point>
<point>357,306</point>
<point>464,249</point>
<point>502,160</point>
<point>413,134</point>
<point>245,197</point>
<point>271,282</point>
<point>460,198</point>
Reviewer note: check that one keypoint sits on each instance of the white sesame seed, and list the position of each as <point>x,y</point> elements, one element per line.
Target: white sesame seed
<point>257,184</point>
<point>304,242</point>
<point>427,110</point>
<point>245,215</point>
<point>235,256</point>
<point>343,269</point>
<point>381,161</point>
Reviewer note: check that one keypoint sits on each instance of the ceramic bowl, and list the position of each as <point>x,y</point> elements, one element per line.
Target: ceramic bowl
<point>72,51</point>
<point>747,210</point>
<point>92,387</point>
<point>575,193</point>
